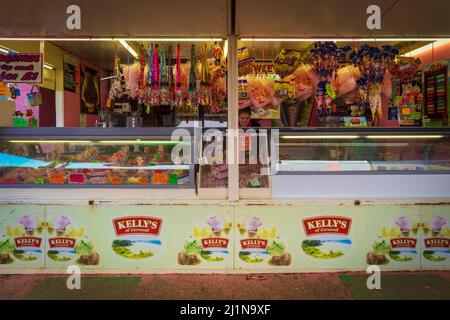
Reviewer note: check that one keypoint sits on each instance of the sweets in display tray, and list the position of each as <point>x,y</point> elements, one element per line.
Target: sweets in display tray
<point>88,165</point>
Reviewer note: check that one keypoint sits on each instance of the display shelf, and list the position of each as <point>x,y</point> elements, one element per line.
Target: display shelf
<point>93,158</point>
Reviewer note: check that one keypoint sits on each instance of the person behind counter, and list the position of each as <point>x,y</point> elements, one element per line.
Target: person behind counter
<point>245,120</point>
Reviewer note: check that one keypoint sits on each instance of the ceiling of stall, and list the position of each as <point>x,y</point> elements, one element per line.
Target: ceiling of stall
<point>269,49</point>
<point>343,18</point>
<point>101,53</point>
<point>116,18</point>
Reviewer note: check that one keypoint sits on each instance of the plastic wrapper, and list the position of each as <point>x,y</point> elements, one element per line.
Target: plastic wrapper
<point>286,62</point>
<point>244,98</point>
<point>246,63</point>
<point>131,73</point>
<point>185,69</point>
<point>246,66</point>
<point>283,90</point>
<point>386,85</point>
<point>243,53</point>
<point>218,83</point>
<point>346,80</point>
<point>261,93</point>
<point>305,81</point>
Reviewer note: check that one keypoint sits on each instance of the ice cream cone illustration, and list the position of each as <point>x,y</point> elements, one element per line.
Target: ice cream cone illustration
<point>436,224</point>
<point>29,224</point>
<point>217,224</point>
<point>405,225</point>
<point>61,223</point>
<point>252,226</point>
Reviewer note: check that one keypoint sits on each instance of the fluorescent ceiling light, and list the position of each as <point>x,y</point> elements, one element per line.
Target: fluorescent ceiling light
<point>427,47</point>
<point>57,39</point>
<point>171,39</point>
<point>343,39</point>
<point>129,48</point>
<point>139,142</point>
<point>50,141</point>
<point>322,137</point>
<point>225,49</point>
<point>424,136</point>
<point>48,66</point>
<point>162,39</point>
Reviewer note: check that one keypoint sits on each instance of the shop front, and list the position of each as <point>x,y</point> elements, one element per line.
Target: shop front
<point>209,140</point>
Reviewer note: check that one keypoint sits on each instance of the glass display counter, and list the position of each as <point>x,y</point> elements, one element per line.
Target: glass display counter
<point>92,157</point>
<point>372,162</point>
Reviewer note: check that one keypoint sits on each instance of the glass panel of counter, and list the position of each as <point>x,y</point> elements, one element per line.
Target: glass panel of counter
<point>401,150</point>
<point>95,157</point>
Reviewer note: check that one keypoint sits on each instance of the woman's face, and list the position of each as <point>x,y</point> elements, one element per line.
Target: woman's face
<point>244,119</point>
<point>292,111</point>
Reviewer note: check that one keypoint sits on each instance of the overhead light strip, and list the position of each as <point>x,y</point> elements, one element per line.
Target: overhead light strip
<point>129,48</point>
<point>342,39</point>
<point>400,136</point>
<point>322,137</point>
<point>48,66</point>
<point>162,39</point>
<point>426,48</point>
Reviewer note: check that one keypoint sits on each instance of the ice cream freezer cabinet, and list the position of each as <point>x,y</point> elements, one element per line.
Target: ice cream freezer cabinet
<point>367,163</point>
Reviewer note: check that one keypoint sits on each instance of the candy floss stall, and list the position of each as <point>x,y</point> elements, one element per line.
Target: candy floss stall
<point>358,127</point>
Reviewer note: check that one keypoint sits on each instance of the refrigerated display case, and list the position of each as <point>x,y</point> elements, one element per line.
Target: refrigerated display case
<point>94,158</point>
<point>369,163</point>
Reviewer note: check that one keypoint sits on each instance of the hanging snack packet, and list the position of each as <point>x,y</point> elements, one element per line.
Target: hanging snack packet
<point>261,93</point>
<point>284,90</point>
<point>246,63</point>
<point>286,62</point>
<point>243,53</point>
<point>244,98</point>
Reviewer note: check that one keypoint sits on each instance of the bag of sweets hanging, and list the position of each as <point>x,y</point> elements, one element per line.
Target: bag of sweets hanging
<point>286,62</point>
<point>246,63</point>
